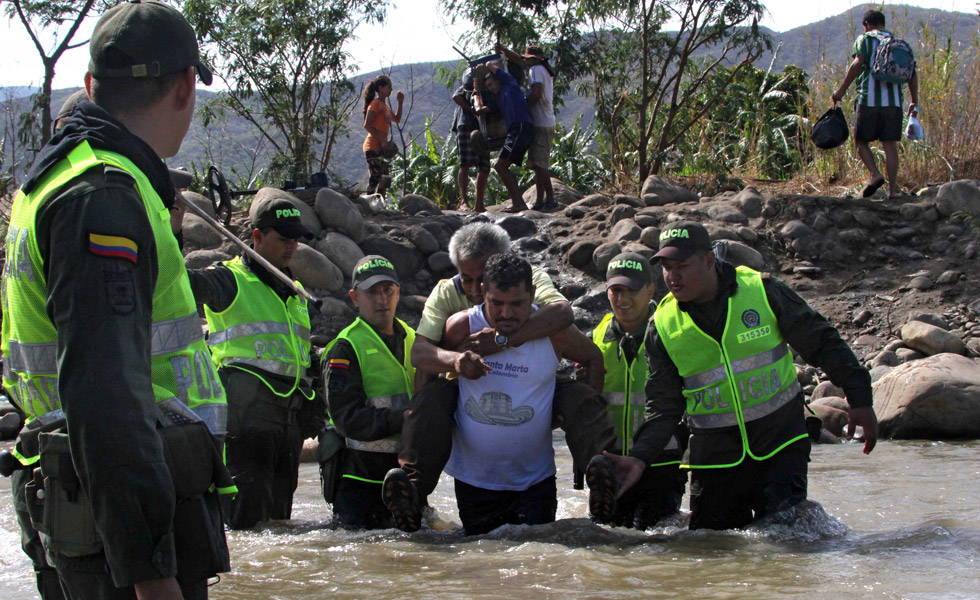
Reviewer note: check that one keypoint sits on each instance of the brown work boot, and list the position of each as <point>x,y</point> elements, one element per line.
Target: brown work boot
<point>402,499</point>
<point>601,477</point>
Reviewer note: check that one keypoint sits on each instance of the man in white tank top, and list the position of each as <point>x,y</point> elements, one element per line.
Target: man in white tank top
<point>502,457</point>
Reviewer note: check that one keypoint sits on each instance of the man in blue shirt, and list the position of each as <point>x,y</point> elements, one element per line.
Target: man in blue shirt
<point>520,129</point>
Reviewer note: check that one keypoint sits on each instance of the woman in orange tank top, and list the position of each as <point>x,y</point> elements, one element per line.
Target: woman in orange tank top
<point>377,121</point>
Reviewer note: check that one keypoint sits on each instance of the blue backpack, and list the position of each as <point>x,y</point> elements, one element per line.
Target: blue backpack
<point>893,59</point>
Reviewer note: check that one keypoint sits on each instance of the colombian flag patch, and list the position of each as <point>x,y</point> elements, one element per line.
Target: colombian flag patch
<point>113,246</point>
<point>339,363</point>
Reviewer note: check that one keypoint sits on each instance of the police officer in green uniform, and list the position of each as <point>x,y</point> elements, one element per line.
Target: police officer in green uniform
<point>369,380</point>
<point>619,335</point>
<point>102,344</point>
<point>260,340</point>
<point>718,353</point>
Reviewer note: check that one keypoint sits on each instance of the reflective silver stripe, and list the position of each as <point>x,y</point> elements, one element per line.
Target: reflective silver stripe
<point>388,446</point>
<point>267,364</point>
<point>757,361</point>
<point>175,334</point>
<point>301,332</point>
<point>31,359</point>
<point>173,411</point>
<point>395,401</point>
<point>615,398</point>
<point>742,365</point>
<point>45,419</point>
<point>248,329</point>
<point>751,413</point>
<point>705,378</point>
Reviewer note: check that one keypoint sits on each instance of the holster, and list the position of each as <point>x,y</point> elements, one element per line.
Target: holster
<point>59,508</point>
<point>329,453</point>
<point>197,471</point>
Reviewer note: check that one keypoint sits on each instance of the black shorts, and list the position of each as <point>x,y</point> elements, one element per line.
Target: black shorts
<point>877,123</point>
<point>520,136</point>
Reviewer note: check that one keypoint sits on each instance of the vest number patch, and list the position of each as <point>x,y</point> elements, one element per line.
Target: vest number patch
<point>754,334</point>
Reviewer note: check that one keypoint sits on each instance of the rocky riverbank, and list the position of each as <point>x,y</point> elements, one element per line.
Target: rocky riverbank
<point>897,277</point>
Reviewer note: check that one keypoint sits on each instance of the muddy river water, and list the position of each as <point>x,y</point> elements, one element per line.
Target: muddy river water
<point>901,523</point>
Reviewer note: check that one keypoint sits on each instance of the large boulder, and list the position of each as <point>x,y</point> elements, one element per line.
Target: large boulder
<point>930,339</point>
<point>306,214</point>
<point>834,420</point>
<point>337,212</point>
<point>934,398</point>
<point>738,254</point>
<point>422,238</point>
<point>581,252</point>
<point>565,194</point>
<point>602,255</point>
<point>414,204</point>
<point>749,201</point>
<point>958,196</point>
<point>200,201</point>
<point>658,191</point>
<point>314,270</point>
<point>199,259</point>
<point>625,231</point>
<point>517,226</point>
<point>341,250</point>
<point>196,231</point>
<point>403,254</point>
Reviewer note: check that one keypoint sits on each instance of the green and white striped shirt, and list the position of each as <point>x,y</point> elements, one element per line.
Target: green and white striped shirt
<point>872,92</point>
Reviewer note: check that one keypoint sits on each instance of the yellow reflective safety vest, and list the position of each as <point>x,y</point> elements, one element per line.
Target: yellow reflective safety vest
<point>748,376</point>
<point>182,373</point>
<point>258,329</point>
<point>623,388</point>
<point>387,382</point>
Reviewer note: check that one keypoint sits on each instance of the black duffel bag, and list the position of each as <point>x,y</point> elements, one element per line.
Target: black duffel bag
<point>830,130</point>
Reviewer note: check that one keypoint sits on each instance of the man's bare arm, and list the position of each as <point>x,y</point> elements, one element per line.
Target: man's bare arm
<point>572,344</point>
<point>544,322</point>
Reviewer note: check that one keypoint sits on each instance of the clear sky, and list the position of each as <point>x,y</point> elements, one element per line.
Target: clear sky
<point>416,31</point>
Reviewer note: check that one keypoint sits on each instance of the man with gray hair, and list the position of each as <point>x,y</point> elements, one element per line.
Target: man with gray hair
<point>427,434</point>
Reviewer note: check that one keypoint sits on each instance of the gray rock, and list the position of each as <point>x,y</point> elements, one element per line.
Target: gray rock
<point>199,201</point>
<point>948,277</point>
<point>650,237</point>
<point>581,252</point>
<point>337,212</point>
<point>341,250</point>
<point>838,402</point>
<point>403,254</point>
<point>594,201</point>
<point>518,226</point>
<point>575,212</point>
<point>738,254</point>
<point>314,270</point>
<point>625,231</point>
<point>909,211</point>
<point>886,357</point>
<point>855,238</point>
<point>930,318</point>
<point>659,191</point>
<point>747,234</point>
<point>921,283</point>
<point>332,307</point>
<point>307,215</point>
<point>931,340</point>
<point>200,259</point>
<point>825,389</point>
<point>727,214</point>
<point>796,229</point>
<point>908,354</point>
<point>603,254</point>
<point>420,236</point>
<point>931,214</point>
<point>834,419</point>
<point>749,201</point>
<point>564,194</point>
<point>197,231</point>
<point>958,196</point>
<point>440,263</point>
<point>934,398</point>
<point>879,372</point>
<point>621,212</point>
<point>867,219</point>
<point>821,223</point>
<point>414,204</point>
<point>862,317</point>
<point>629,201</point>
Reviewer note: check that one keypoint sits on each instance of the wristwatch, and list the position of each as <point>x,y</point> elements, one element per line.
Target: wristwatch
<point>501,340</point>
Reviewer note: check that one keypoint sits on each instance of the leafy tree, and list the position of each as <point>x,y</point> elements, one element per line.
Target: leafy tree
<point>286,70</point>
<point>37,15</point>
<point>649,85</point>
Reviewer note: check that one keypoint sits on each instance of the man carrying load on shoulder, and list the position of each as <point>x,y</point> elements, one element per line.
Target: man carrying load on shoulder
<point>718,354</point>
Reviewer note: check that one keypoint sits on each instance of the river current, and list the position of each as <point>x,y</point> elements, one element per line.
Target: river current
<point>902,523</point>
